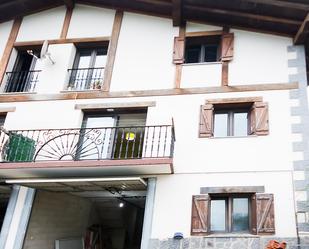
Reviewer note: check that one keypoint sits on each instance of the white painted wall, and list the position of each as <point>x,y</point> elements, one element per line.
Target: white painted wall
<point>197,27</point>
<point>173,199</point>
<point>42,25</point>
<point>201,75</point>
<point>259,59</point>
<point>88,21</point>
<point>55,77</point>
<point>5,30</point>
<point>144,54</point>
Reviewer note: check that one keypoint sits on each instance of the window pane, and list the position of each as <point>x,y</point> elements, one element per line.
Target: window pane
<point>84,59</point>
<point>193,54</point>
<point>240,214</point>
<point>211,53</point>
<point>240,124</point>
<point>101,57</point>
<point>220,125</point>
<point>218,212</point>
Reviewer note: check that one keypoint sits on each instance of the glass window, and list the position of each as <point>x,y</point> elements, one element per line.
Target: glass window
<point>240,214</point>
<point>202,49</point>
<point>230,123</point>
<point>230,214</point>
<point>221,125</point>
<point>218,213</point>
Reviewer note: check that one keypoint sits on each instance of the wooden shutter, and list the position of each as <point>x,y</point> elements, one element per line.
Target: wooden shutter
<point>265,216</point>
<point>199,218</point>
<point>259,121</point>
<point>179,50</point>
<point>206,121</point>
<point>227,47</point>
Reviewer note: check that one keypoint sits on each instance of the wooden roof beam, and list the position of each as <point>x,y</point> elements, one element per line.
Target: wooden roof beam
<point>177,11</point>
<point>284,4</point>
<point>69,3</point>
<point>303,31</point>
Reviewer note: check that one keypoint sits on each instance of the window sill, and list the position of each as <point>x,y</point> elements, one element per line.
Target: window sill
<point>81,91</point>
<point>249,136</point>
<point>232,235</point>
<point>202,63</point>
<point>19,93</point>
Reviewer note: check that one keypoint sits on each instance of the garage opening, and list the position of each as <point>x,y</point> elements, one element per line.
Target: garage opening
<point>5,193</point>
<point>87,214</point>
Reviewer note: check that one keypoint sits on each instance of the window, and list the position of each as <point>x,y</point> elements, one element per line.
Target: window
<point>230,214</point>
<point>202,49</point>
<point>121,133</point>
<point>234,117</point>
<point>88,68</point>
<point>233,213</point>
<point>24,77</point>
<point>231,122</point>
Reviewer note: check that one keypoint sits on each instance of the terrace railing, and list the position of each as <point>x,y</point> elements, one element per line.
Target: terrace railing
<point>86,78</point>
<point>87,143</point>
<point>21,81</point>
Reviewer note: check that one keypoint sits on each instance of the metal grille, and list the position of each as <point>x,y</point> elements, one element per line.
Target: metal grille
<point>87,143</point>
<point>86,78</point>
<point>22,81</point>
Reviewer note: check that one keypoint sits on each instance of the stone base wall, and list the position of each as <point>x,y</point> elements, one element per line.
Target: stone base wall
<point>224,243</point>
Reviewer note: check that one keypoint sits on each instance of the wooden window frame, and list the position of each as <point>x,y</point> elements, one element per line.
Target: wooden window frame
<point>229,212</point>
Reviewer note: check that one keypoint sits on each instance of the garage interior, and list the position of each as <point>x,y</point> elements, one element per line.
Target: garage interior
<point>87,214</point>
<point>5,192</point>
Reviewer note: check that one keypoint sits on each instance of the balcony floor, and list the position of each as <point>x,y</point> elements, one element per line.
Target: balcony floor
<point>86,168</point>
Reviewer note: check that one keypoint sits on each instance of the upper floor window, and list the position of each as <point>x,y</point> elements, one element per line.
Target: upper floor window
<point>231,122</point>
<point>234,117</point>
<point>202,49</point>
<point>88,68</point>
<point>24,76</point>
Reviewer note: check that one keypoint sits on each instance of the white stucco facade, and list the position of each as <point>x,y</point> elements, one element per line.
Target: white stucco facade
<point>144,62</point>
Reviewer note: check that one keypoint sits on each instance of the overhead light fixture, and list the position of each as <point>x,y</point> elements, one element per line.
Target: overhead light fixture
<point>121,204</point>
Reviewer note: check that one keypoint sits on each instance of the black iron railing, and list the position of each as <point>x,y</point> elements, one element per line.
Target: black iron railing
<point>21,81</point>
<point>87,143</point>
<point>86,78</point>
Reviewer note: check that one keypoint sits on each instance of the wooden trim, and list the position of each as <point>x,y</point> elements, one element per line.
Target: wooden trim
<point>204,33</point>
<point>67,95</point>
<point>178,67</point>
<point>66,23</point>
<point>69,3</point>
<point>113,105</point>
<point>225,73</point>
<point>63,41</point>
<point>234,100</point>
<point>9,47</point>
<point>112,47</point>
<point>302,33</point>
<point>177,12</point>
<point>232,189</point>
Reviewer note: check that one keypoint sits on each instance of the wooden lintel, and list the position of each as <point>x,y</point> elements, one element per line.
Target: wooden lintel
<point>177,7</point>
<point>111,54</point>
<point>68,95</point>
<point>302,32</point>
<point>66,23</point>
<point>204,33</point>
<point>62,41</point>
<point>9,47</point>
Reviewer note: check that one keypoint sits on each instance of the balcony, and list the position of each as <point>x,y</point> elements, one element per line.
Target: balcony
<point>136,150</point>
<point>86,78</point>
<point>21,81</point>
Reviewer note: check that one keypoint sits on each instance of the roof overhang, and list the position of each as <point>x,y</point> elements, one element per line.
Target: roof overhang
<point>86,168</point>
<point>283,17</point>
